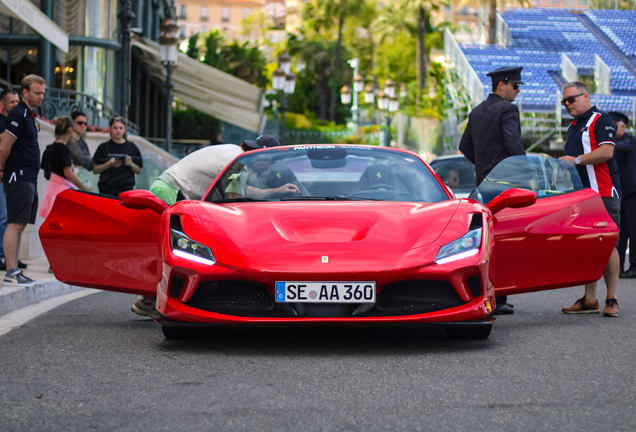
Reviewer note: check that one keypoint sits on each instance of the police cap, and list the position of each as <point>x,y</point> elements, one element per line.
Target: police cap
<point>506,74</point>
<point>619,117</point>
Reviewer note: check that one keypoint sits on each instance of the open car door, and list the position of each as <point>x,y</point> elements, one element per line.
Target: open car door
<point>564,239</point>
<point>93,241</point>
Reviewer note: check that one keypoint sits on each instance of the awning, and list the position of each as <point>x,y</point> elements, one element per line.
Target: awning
<point>207,89</point>
<point>36,19</point>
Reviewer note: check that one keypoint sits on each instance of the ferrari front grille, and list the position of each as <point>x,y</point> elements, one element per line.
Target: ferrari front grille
<point>418,296</point>
<point>232,297</point>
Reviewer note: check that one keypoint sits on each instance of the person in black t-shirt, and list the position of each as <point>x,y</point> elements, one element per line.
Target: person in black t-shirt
<point>117,161</point>
<point>57,157</point>
<point>19,168</point>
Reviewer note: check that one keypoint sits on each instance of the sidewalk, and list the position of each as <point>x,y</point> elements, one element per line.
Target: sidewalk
<point>15,297</point>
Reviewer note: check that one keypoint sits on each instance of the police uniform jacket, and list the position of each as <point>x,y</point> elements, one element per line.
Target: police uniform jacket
<point>493,133</point>
<point>625,155</point>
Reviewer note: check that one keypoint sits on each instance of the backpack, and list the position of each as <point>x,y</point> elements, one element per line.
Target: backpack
<point>47,162</point>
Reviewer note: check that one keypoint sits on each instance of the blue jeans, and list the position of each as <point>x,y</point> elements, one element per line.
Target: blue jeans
<point>3,218</point>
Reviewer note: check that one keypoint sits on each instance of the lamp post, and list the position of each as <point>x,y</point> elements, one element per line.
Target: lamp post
<point>284,82</point>
<point>169,42</point>
<point>388,104</point>
<point>126,17</point>
<point>345,95</point>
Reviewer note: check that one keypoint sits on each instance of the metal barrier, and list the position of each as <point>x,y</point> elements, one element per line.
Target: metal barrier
<point>602,74</point>
<point>568,70</point>
<point>456,56</point>
<point>60,102</point>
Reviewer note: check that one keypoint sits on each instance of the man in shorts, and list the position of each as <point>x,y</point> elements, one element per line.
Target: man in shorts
<point>19,168</point>
<point>590,146</point>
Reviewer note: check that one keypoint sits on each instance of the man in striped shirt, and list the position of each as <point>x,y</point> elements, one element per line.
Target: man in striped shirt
<point>590,146</point>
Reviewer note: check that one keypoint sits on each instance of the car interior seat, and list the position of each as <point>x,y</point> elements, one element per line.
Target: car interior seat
<point>377,179</point>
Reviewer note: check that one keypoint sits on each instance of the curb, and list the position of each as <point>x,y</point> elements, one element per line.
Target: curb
<point>14,297</point>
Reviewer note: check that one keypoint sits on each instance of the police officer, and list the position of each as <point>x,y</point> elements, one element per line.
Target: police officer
<point>493,133</point>
<point>625,155</point>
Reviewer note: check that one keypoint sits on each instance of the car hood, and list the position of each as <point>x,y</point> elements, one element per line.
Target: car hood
<point>288,226</point>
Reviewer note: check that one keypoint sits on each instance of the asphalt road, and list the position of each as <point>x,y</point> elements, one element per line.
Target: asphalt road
<point>91,364</point>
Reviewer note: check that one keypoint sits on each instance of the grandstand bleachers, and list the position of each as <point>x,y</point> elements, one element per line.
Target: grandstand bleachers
<point>539,36</point>
<point>619,26</point>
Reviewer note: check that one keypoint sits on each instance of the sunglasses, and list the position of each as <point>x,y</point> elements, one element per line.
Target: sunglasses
<point>515,86</point>
<point>570,99</point>
<point>81,123</point>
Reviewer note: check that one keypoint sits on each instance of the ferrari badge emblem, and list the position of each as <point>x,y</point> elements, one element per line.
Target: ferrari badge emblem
<point>325,259</point>
<point>378,174</point>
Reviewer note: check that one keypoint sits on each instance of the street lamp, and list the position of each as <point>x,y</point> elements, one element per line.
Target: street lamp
<point>369,95</point>
<point>389,87</point>
<point>403,90</point>
<point>169,42</point>
<point>345,95</point>
<point>284,63</point>
<point>284,82</point>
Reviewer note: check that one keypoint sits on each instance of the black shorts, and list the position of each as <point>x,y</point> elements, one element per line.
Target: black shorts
<point>613,207</point>
<point>22,202</point>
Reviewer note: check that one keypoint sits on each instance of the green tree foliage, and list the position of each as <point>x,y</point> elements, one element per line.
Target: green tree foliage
<point>240,60</point>
<point>329,15</point>
<point>193,124</point>
<point>312,85</point>
<point>193,49</point>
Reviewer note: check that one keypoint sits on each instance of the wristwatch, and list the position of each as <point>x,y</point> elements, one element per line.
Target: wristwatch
<point>577,160</point>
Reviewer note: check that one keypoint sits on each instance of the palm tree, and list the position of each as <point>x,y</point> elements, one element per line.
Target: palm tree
<point>316,53</point>
<point>424,9</point>
<point>393,19</point>
<point>325,14</point>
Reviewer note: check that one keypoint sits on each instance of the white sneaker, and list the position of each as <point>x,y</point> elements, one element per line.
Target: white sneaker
<point>18,278</point>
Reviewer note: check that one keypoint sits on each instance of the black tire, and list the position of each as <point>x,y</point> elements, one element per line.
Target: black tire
<point>178,332</point>
<point>469,331</point>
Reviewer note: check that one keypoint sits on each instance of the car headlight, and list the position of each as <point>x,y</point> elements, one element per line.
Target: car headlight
<point>463,247</point>
<point>184,247</point>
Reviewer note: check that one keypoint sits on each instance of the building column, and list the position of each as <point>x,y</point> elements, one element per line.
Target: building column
<point>46,50</point>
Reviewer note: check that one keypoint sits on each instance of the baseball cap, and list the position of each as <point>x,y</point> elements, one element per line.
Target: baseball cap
<point>262,142</point>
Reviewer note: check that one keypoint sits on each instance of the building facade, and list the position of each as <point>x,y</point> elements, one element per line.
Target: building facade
<point>200,16</point>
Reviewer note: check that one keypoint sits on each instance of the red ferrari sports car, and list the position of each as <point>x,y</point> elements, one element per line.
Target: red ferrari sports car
<point>371,237</point>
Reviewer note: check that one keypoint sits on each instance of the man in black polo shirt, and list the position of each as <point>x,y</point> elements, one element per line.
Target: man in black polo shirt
<point>19,168</point>
<point>590,146</point>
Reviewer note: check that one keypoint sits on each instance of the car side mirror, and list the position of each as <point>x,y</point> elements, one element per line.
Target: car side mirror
<point>512,198</point>
<point>142,200</point>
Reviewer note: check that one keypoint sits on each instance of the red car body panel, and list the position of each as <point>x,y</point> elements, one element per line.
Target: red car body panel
<point>94,241</point>
<point>557,242</point>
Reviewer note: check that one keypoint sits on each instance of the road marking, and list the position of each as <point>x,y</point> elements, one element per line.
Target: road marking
<point>23,315</point>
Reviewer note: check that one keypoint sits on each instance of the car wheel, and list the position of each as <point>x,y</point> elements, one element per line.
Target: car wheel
<point>172,332</point>
<point>469,332</point>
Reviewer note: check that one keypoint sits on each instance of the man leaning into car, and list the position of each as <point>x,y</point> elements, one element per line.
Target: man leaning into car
<point>192,175</point>
<point>590,146</point>
<point>493,133</point>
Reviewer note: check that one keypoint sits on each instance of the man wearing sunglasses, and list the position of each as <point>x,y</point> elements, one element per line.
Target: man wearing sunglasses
<point>590,146</point>
<point>493,133</point>
<point>82,158</point>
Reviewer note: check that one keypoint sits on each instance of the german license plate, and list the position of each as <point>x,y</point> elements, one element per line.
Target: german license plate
<point>325,292</point>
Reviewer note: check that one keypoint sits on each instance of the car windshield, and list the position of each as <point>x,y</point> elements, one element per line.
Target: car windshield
<point>327,172</point>
<point>545,175</point>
